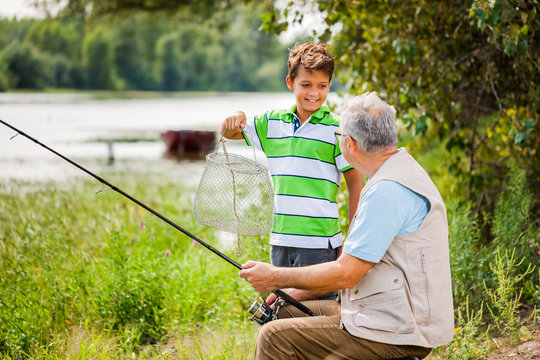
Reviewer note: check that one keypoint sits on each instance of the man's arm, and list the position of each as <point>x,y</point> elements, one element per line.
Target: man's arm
<point>343,273</point>
<point>234,125</point>
<point>355,184</point>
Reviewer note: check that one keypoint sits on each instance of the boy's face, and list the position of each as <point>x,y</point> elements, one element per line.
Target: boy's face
<point>310,89</point>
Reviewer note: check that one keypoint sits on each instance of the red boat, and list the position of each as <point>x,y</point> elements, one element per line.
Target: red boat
<point>195,141</point>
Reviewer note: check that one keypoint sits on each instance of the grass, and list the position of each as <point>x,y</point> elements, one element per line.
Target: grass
<point>87,275</point>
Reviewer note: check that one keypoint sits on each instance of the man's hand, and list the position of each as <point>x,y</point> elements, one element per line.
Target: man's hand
<point>262,276</point>
<point>297,294</point>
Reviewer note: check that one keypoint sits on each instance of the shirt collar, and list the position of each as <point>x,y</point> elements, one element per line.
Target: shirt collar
<point>317,116</point>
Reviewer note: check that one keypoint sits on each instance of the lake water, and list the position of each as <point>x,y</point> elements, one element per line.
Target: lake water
<point>79,125</point>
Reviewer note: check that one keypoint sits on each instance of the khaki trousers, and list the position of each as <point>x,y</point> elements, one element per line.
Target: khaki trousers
<point>298,336</point>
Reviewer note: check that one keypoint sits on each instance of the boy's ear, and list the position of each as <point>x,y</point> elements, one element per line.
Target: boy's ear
<point>289,83</point>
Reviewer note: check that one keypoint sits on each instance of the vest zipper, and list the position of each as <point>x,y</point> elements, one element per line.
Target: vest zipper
<point>426,282</point>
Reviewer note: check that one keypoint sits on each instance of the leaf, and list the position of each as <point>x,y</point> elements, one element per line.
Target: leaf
<point>524,29</point>
<point>520,139</point>
<point>407,120</point>
<point>420,125</point>
<point>522,46</point>
<point>524,334</point>
<point>529,123</point>
<point>509,49</point>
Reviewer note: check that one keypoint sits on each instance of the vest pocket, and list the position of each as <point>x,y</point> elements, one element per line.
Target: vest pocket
<point>379,301</point>
<point>387,311</point>
<point>418,283</point>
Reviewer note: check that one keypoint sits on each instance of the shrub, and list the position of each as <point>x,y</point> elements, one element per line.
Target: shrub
<point>131,289</point>
<point>516,231</point>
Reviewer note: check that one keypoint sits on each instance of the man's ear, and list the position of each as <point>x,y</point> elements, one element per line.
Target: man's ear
<point>289,83</point>
<point>351,144</point>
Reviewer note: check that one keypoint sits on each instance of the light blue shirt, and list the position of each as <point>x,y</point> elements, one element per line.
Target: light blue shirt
<point>387,209</point>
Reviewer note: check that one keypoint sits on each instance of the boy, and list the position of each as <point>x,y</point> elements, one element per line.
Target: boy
<point>305,163</point>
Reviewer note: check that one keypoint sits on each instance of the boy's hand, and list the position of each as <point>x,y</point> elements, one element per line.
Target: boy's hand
<point>234,125</point>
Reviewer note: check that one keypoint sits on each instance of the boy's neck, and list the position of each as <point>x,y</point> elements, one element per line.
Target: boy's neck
<point>304,115</point>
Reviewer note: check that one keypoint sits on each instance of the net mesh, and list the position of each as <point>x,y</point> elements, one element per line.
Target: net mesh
<point>235,194</point>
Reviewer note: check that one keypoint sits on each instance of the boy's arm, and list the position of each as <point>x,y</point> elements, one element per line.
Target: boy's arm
<point>234,125</point>
<point>355,184</point>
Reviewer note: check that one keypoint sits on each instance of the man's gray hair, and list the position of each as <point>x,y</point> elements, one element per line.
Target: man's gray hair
<point>370,122</point>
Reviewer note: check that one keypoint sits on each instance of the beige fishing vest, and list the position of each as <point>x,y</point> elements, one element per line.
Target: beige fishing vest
<point>406,298</point>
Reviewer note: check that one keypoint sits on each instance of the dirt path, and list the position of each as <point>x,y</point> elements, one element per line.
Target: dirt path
<point>524,351</point>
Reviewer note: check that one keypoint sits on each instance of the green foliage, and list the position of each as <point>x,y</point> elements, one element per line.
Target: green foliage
<point>14,30</point>
<point>62,72</point>
<point>513,233</point>
<point>465,72</point>
<point>134,51</point>
<point>57,37</point>
<point>514,226</point>
<point>97,8</point>
<point>4,81</point>
<point>167,71</point>
<point>184,51</point>
<point>26,66</point>
<point>505,297</point>
<point>470,342</point>
<point>132,292</point>
<point>469,259</point>
<point>88,276</point>
<point>98,59</point>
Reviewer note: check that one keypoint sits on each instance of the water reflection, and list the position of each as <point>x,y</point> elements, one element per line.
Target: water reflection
<point>106,134</point>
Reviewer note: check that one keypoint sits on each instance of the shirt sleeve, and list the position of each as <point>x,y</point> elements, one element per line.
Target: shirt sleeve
<point>342,164</point>
<point>387,209</point>
<point>256,130</point>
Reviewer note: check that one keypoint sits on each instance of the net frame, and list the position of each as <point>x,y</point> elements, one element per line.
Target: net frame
<point>243,187</point>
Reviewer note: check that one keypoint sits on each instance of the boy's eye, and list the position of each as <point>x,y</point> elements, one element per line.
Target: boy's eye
<point>304,85</point>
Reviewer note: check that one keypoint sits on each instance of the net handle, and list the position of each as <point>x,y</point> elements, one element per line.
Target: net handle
<point>223,142</point>
<point>240,246</point>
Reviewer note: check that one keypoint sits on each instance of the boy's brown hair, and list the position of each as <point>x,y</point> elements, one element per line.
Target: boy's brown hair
<point>311,57</point>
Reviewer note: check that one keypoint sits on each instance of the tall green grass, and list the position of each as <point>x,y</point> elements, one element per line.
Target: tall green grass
<point>85,275</point>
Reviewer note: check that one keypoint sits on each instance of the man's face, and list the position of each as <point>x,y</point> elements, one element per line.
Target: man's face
<point>310,90</point>
<point>343,146</point>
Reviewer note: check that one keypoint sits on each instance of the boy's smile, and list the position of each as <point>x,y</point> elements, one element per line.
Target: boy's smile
<point>310,88</point>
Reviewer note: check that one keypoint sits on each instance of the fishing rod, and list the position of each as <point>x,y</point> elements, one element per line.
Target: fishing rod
<point>261,312</point>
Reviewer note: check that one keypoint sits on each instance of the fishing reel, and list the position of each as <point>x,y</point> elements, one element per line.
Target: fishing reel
<point>261,312</point>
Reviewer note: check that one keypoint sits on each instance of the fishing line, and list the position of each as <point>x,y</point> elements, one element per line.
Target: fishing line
<point>278,292</point>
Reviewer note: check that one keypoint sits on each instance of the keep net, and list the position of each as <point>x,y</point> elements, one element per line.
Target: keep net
<point>235,194</point>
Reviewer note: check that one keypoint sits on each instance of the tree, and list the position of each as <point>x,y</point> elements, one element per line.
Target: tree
<point>98,59</point>
<point>135,38</point>
<point>57,37</point>
<point>26,66</point>
<point>465,73</point>
<point>166,68</point>
<point>96,8</point>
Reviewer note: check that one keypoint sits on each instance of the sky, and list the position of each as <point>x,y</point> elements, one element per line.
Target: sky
<point>19,8</point>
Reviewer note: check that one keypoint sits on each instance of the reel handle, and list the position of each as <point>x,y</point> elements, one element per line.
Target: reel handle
<point>297,304</point>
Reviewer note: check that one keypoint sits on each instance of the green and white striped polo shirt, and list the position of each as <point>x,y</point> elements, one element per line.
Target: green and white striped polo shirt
<point>306,166</point>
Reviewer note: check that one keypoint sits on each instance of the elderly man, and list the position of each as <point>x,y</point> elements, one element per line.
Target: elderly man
<point>394,271</point>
